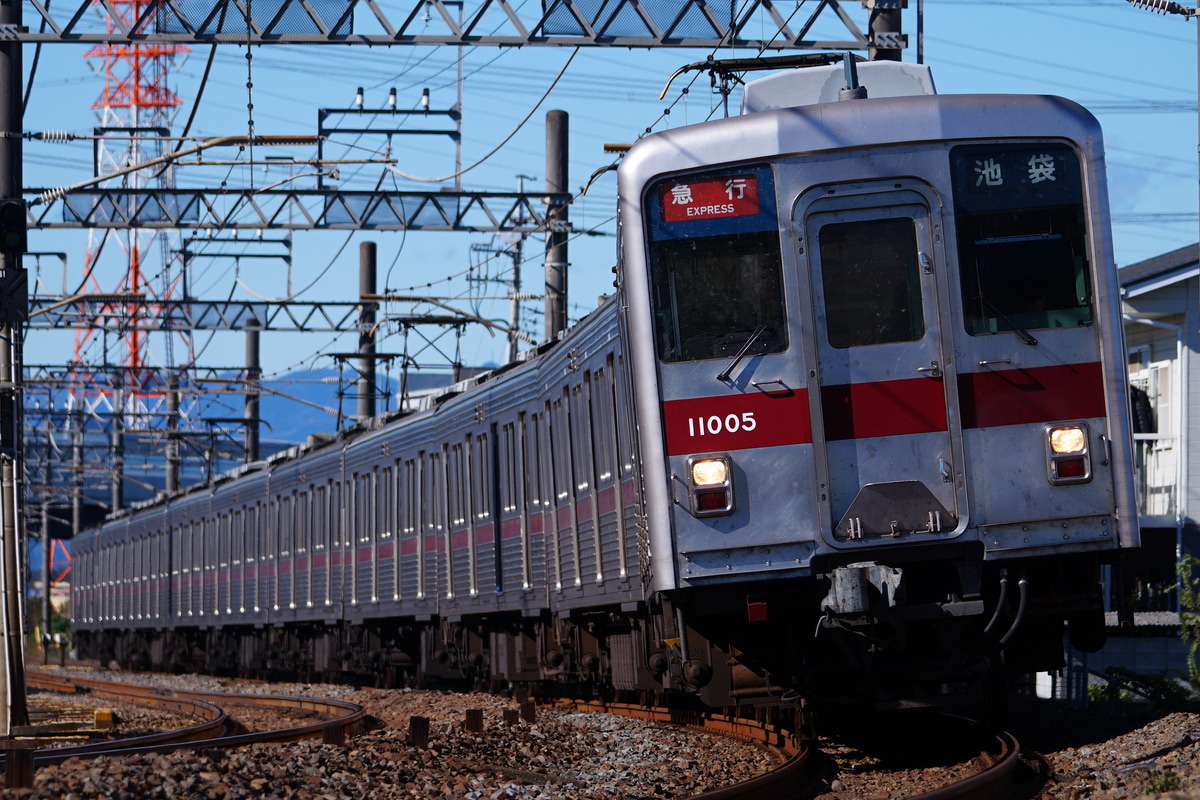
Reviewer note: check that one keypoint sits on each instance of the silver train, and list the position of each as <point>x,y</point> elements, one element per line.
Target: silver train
<point>854,426</point>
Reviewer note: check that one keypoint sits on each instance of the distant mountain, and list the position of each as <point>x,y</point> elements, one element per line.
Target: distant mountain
<point>305,402</point>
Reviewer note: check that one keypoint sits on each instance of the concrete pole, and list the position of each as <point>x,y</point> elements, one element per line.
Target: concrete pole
<point>172,479</point>
<point>557,130</point>
<point>12,692</point>
<point>76,471</point>
<point>118,444</point>
<point>366,332</point>
<point>514,307</point>
<point>253,381</point>
<point>47,493</point>
<point>47,576</point>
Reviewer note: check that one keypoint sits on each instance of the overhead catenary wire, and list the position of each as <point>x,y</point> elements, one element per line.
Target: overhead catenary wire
<point>503,141</point>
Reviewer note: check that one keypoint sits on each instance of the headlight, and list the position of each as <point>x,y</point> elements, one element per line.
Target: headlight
<point>711,485</point>
<point>710,472</point>
<point>1067,458</point>
<point>1064,441</point>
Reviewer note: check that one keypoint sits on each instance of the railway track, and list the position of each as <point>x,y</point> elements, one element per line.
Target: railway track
<point>796,776</point>
<point>338,720</point>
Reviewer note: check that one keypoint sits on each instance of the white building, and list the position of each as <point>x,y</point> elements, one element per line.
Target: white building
<point>1162,332</point>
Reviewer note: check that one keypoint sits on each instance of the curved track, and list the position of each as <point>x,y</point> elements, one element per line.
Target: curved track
<point>796,773</point>
<point>997,780</point>
<point>339,719</point>
<point>793,778</point>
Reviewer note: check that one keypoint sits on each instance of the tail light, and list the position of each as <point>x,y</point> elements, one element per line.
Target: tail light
<point>710,479</point>
<point>1068,459</point>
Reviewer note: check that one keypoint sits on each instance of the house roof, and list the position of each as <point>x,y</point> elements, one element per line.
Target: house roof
<point>1159,270</point>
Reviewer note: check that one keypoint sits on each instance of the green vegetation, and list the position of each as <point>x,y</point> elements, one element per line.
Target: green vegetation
<point>1189,615</point>
<point>60,622</point>
<point>1108,693</point>
<point>1162,782</point>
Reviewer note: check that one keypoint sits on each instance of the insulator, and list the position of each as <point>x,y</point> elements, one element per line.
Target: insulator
<point>1164,7</point>
<point>55,136</point>
<point>50,195</point>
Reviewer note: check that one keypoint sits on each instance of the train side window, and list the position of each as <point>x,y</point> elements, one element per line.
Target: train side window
<point>604,424</point>
<point>507,468</point>
<point>715,266</point>
<point>871,276</point>
<point>1022,237</point>
<point>385,506</point>
<point>582,437</point>
<point>457,494</point>
<point>534,458</point>
<point>410,498</point>
<point>481,478</point>
<point>560,444</point>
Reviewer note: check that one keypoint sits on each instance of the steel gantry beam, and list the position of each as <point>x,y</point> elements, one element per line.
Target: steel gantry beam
<point>120,312</point>
<point>294,209</point>
<point>571,23</point>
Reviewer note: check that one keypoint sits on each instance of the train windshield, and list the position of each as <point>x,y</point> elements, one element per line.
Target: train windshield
<point>1022,241</point>
<point>715,266</point>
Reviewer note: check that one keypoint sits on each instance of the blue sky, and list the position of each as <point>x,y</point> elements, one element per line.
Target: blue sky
<point>1135,69</point>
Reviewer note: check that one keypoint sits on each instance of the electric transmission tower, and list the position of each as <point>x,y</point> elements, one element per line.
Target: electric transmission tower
<point>123,384</point>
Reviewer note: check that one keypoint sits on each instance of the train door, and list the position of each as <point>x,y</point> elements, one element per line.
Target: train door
<point>881,389</point>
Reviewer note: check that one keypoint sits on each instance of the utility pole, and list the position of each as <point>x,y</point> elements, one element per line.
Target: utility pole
<point>171,484</point>
<point>884,31</point>
<point>253,389</point>
<point>366,332</point>
<point>13,310</point>
<point>117,442</point>
<point>557,128</point>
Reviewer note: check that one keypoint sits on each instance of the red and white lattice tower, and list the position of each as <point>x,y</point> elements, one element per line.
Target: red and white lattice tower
<point>135,110</point>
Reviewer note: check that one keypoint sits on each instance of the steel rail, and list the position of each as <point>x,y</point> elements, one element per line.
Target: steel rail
<point>786,780</point>
<point>992,782</point>
<point>212,725</point>
<point>346,718</point>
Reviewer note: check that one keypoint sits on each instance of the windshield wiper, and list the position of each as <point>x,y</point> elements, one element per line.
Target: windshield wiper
<point>723,375</point>
<point>1025,335</point>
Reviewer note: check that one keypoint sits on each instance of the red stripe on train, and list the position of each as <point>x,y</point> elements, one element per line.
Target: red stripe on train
<point>737,421</point>
<point>883,408</point>
<point>1037,394</point>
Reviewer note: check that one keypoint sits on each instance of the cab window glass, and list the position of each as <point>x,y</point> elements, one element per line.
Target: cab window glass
<point>871,277</point>
<point>715,266</point>
<point>1022,241</point>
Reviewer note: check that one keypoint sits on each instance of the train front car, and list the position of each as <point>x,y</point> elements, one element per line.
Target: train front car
<point>879,375</point>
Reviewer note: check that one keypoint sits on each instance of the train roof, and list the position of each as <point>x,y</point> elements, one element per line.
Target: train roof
<point>812,85</point>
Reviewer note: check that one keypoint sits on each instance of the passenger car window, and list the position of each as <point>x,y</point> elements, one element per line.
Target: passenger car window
<point>715,266</point>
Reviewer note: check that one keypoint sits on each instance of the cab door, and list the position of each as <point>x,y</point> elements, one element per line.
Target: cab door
<point>882,391</point>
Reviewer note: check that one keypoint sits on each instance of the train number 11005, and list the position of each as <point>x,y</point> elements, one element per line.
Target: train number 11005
<point>731,423</point>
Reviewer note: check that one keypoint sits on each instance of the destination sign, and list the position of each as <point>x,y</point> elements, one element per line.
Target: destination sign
<point>709,198</point>
<point>999,176</point>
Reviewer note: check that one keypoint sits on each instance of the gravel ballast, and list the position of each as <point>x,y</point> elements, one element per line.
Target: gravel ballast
<point>563,754</point>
